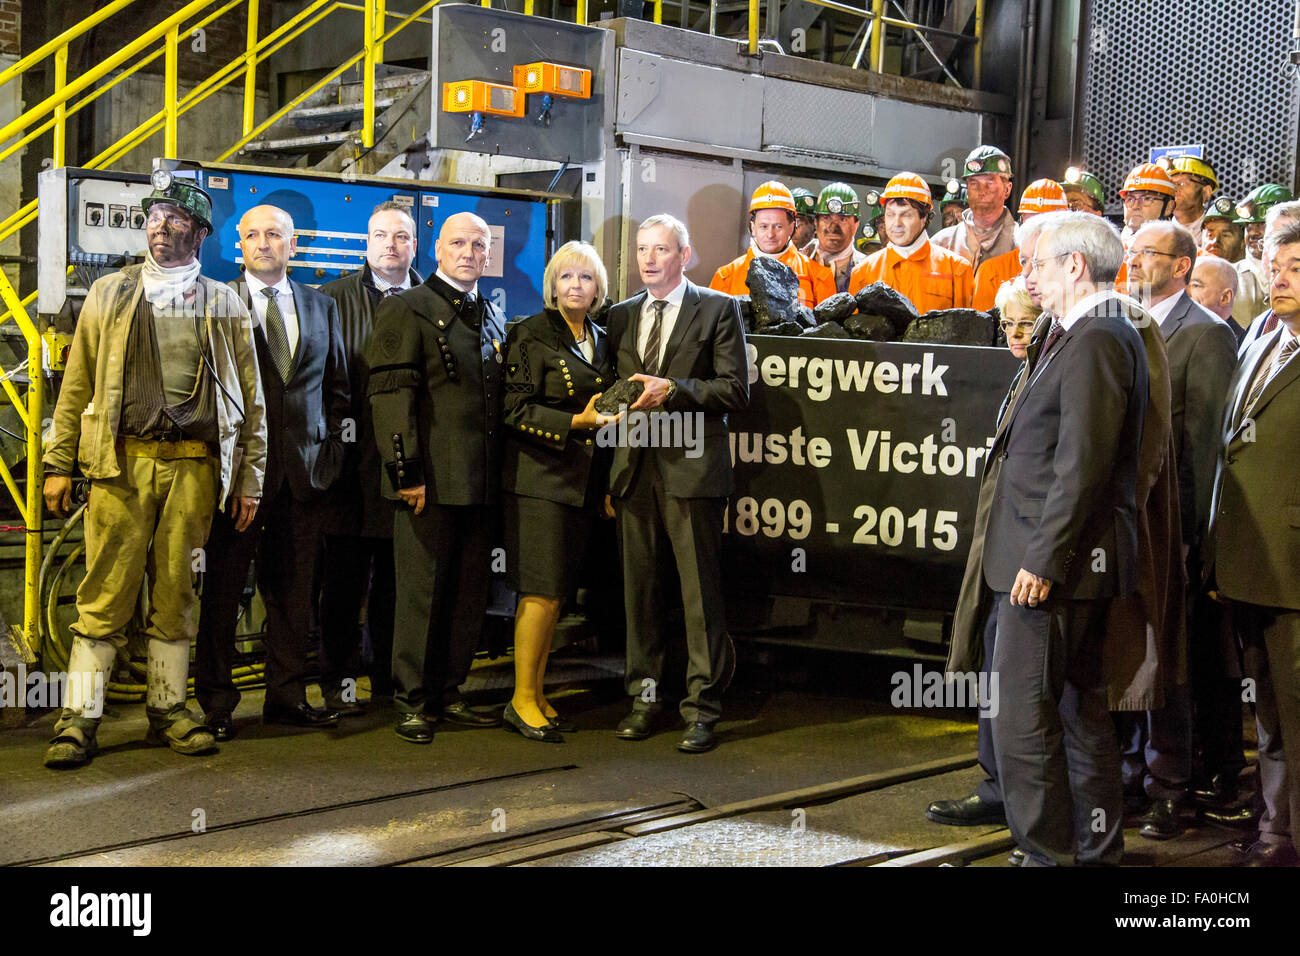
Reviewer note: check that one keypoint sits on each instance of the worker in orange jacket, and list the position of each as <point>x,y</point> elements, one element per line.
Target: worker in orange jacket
<point>771,226</point>
<point>1043,195</point>
<point>929,275</point>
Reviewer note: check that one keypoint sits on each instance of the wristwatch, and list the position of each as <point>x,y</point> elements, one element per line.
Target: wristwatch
<point>672,390</point>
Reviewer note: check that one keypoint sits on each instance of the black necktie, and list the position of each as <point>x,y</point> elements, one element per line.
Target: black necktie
<point>1053,336</point>
<point>650,358</point>
<point>277,340</point>
<point>1265,374</point>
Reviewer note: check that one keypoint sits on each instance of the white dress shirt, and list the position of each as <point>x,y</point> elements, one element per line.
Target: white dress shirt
<point>1084,306</point>
<point>671,310</point>
<point>1160,311</point>
<point>456,285</point>
<point>288,308</point>
<point>383,285</point>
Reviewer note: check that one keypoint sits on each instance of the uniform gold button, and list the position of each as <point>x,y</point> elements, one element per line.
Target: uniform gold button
<point>588,441</point>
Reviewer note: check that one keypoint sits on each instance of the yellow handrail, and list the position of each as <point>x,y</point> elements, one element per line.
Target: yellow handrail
<point>62,40</point>
<point>250,71</point>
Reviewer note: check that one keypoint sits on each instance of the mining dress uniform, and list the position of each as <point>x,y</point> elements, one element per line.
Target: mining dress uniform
<point>305,383</point>
<point>930,276</point>
<point>668,504</point>
<point>435,360</point>
<point>161,407</point>
<point>553,478</point>
<point>359,522</point>
<point>816,282</point>
<point>1254,556</point>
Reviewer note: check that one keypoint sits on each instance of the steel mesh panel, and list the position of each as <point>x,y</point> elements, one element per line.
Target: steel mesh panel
<point>1167,72</point>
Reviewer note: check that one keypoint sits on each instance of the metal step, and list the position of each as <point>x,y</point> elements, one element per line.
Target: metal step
<point>338,111</point>
<point>398,83</point>
<point>300,144</point>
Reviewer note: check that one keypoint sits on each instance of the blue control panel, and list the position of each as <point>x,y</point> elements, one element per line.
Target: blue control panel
<point>330,217</point>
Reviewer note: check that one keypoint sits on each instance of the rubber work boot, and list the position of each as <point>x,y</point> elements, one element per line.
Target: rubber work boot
<point>74,742</point>
<point>177,728</point>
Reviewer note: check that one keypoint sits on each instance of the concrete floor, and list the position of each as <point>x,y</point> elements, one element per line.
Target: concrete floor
<point>360,795</point>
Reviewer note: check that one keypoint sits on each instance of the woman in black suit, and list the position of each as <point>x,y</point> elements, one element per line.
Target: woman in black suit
<point>557,365</point>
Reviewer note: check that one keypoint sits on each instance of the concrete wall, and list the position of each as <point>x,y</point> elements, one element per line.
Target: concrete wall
<point>203,132</point>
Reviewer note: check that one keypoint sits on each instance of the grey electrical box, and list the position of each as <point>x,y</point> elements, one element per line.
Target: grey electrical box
<point>472,43</point>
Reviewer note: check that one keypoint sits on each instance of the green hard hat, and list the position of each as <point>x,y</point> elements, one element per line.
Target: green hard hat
<point>1259,200</point>
<point>1084,181</point>
<point>837,198</point>
<point>804,201</point>
<point>954,191</point>
<point>986,159</point>
<point>183,193</point>
<point>1221,208</point>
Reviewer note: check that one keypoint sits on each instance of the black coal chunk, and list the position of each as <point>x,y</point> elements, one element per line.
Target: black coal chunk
<point>876,328</point>
<point>623,392</point>
<point>952,327</point>
<point>837,308</point>
<point>781,328</point>
<point>805,316</point>
<point>774,289</point>
<point>880,299</point>
<point>746,305</point>
<point>827,330</point>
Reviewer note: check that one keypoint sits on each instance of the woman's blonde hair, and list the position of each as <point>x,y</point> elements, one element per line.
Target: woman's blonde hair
<point>583,253</point>
<point>1014,291</point>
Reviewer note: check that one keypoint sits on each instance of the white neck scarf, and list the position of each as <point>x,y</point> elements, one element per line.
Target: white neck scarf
<point>167,286</point>
<point>753,247</point>
<point>907,250</point>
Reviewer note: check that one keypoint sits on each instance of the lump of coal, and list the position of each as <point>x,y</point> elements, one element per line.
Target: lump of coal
<point>774,290</point>
<point>876,328</point>
<point>952,327</point>
<point>836,309</point>
<point>781,328</point>
<point>805,316</point>
<point>746,305</point>
<point>880,299</point>
<point>623,392</point>
<point>827,330</point>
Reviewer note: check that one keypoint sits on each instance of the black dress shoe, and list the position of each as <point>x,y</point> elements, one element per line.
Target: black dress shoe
<point>344,708</point>
<point>699,739</point>
<point>1161,821</point>
<point>1238,818</point>
<point>1271,854</point>
<point>636,726</point>
<point>221,725</point>
<point>544,734</point>
<point>967,812</point>
<point>1219,793</point>
<point>415,728</point>
<point>562,725</point>
<point>300,715</point>
<point>461,713</point>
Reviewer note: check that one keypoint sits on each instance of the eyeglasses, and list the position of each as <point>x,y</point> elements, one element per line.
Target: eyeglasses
<point>1134,253</point>
<point>1037,264</point>
<point>1140,198</point>
<point>1007,325</point>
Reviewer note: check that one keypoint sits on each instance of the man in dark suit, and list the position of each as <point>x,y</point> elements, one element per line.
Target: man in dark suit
<point>358,561</point>
<point>1061,543</point>
<point>686,345</point>
<point>1157,744</point>
<point>435,384</point>
<point>1254,558</point>
<point>305,382</point>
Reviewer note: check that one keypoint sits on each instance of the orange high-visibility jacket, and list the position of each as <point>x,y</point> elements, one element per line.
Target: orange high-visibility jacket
<point>990,276</point>
<point>816,282</point>
<point>931,277</point>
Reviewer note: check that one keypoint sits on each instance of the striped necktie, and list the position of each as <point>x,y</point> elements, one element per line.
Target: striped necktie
<point>277,340</point>
<point>1263,377</point>
<point>650,358</point>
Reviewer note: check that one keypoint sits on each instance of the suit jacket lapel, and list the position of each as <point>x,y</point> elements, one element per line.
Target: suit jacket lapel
<point>1281,380</point>
<point>629,345</point>
<point>1261,349</point>
<point>1177,315</point>
<point>685,317</point>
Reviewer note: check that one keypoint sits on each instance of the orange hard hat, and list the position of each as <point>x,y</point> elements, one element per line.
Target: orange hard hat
<point>1043,195</point>
<point>772,195</point>
<point>1151,178</point>
<point>907,186</point>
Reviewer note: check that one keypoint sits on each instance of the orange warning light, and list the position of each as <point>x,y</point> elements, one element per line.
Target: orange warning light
<point>479,96</point>
<point>556,78</point>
